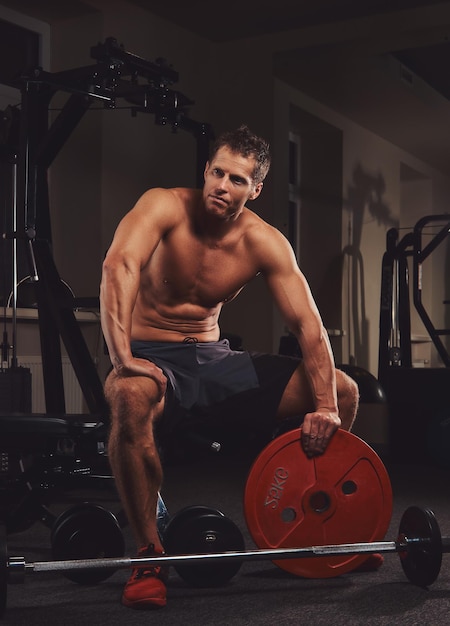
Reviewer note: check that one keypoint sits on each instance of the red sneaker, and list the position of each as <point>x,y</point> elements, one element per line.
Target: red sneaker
<point>146,587</point>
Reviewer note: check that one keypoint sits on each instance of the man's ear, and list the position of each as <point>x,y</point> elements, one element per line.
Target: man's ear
<point>255,193</point>
<point>206,169</point>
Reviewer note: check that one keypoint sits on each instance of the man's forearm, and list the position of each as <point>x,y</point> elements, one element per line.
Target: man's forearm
<point>320,369</point>
<point>117,296</point>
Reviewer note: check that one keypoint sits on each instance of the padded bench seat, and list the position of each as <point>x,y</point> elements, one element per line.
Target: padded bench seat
<point>44,424</point>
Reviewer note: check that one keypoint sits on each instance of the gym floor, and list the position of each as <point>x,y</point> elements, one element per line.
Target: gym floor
<point>260,593</point>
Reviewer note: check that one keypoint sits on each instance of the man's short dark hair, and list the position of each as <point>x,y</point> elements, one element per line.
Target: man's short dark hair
<point>242,141</point>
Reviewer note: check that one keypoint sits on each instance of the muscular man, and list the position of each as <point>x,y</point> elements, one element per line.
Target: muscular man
<point>176,258</point>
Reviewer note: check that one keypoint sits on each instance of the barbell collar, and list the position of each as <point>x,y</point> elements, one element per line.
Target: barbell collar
<point>16,569</point>
<point>445,544</point>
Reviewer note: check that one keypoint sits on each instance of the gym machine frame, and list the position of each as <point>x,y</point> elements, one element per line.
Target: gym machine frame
<point>39,144</point>
<point>395,303</point>
<point>416,396</point>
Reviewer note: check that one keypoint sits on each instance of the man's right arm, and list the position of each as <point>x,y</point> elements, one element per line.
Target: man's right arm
<point>135,240</point>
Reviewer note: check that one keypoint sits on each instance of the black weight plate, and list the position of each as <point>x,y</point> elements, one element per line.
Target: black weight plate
<point>181,517</point>
<point>73,510</point>
<point>205,533</point>
<point>87,531</point>
<point>3,570</point>
<point>421,561</point>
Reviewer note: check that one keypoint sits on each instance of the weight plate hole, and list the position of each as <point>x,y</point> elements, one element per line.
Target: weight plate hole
<point>288,514</point>
<point>319,502</point>
<point>349,487</point>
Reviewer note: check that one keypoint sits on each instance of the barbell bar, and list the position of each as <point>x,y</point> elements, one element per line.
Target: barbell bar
<point>419,545</point>
<point>18,565</point>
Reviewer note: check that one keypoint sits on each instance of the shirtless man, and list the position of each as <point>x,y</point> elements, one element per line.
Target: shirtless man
<point>176,258</point>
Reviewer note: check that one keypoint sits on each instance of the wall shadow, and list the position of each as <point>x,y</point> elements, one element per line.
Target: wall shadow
<point>366,190</point>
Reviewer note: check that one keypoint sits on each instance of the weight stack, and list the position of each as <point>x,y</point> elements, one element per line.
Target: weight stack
<point>15,390</point>
<point>415,396</point>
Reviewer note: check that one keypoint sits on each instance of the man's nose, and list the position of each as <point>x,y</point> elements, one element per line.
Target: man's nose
<point>222,184</point>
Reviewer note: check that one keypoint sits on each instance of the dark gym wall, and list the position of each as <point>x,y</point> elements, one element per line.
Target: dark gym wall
<point>19,50</point>
<point>321,213</point>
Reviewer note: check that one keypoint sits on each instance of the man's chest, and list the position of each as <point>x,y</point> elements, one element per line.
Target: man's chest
<point>204,272</point>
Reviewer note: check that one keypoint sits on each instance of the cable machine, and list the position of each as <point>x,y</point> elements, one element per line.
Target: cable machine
<point>117,74</point>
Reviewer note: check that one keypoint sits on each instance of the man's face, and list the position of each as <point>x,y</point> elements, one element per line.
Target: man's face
<point>229,184</point>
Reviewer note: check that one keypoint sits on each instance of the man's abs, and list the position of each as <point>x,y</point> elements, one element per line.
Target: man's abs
<point>178,324</point>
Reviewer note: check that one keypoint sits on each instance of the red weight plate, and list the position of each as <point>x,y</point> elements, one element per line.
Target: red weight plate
<point>342,496</point>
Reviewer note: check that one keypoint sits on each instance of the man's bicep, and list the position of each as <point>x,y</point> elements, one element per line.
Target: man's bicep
<point>293,298</point>
<point>139,232</point>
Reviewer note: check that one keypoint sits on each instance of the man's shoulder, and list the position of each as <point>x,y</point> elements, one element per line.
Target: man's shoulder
<point>170,202</point>
<point>264,238</point>
<point>170,194</point>
<point>257,227</point>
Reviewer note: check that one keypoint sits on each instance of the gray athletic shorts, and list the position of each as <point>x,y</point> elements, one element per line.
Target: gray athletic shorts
<point>209,381</point>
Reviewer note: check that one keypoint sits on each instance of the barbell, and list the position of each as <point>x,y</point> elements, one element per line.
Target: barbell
<point>419,545</point>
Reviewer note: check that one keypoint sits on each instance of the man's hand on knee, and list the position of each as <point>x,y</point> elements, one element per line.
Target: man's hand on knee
<point>317,429</point>
<point>142,367</point>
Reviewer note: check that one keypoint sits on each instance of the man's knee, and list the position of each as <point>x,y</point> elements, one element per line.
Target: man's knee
<point>348,398</point>
<point>132,397</point>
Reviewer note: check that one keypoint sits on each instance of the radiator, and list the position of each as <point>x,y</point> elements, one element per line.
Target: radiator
<point>72,390</point>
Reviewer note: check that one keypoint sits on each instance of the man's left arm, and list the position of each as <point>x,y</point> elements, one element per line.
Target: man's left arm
<point>293,296</point>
